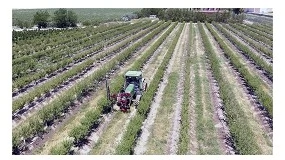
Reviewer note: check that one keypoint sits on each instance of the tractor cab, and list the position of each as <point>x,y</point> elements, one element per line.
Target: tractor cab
<point>135,78</point>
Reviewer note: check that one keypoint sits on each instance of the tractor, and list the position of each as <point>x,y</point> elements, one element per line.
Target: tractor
<point>131,92</point>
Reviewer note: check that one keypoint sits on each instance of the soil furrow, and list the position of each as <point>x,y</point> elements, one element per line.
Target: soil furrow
<point>176,118</point>
<point>268,86</point>
<point>70,80</point>
<point>148,72</point>
<point>46,99</point>
<point>208,143</point>
<point>91,103</point>
<point>250,48</point>
<point>238,33</point>
<point>225,138</point>
<point>161,127</point>
<point>193,147</point>
<point>25,90</point>
<point>247,103</point>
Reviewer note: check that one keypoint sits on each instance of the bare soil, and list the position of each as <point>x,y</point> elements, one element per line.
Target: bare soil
<point>176,117</point>
<point>160,129</point>
<point>246,101</point>
<point>210,142</point>
<point>267,86</point>
<point>269,59</point>
<point>29,87</point>
<point>91,141</point>
<point>109,146</point>
<point>147,124</point>
<point>51,141</point>
<point>249,47</point>
<point>39,103</point>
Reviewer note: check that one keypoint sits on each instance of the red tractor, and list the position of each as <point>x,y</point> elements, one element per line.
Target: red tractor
<point>132,91</point>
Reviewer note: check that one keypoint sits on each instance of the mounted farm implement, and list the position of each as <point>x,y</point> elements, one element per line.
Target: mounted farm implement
<point>131,93</point>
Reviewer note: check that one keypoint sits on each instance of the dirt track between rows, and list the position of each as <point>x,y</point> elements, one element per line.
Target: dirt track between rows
<point>123,68</point>
<point>65,88</point>
<point>108,144</point>
<point>246,101</point>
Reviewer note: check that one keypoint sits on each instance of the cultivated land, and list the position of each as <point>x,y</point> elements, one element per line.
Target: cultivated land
<point>210,89</point>
<point>84,14</point>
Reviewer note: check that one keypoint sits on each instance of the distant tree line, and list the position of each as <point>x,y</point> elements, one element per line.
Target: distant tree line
<point>41,19</point>
<point>62,18</point>
<point>183,14</point>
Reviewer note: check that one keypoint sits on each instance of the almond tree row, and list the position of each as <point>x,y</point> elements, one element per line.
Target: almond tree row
<point>35,125</point>
<point>80,132</point>
<point>132,132</point>
<point>253,35</point>
<point>184,138</point>
<point>21,82</point>
<point>258,60</point>
<point>52,40</point>
<point>83,67</point>
<point>262,28</point>
<point>257,31</point>
<point>239,128</point>
<point>251,42</point>
<point>78,44</point>
<point>253,80</point>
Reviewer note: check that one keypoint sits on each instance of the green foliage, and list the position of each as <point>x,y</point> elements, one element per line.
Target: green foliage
<point>54,109</point>
<point>31,34</point>
<point>65,18</point>
<point>16,141</point>
<point>22,24</point>
<point>252,34</point>
<point>268,30</point>
<point>237,18</point>
<point>256,58</point>
<point>63,149</point>
<point>41,19</point>
<point>86,23</point>
<point>240,131</point>
<point>253,43</point>
<point>71,18</point>
<point>78,133</point>
<point>183,14</point>
<point>183,144</point>
<point>45,88</point>
<point>222,17</point>
<point>257,31</point>
<point>93,116</point>
<point>93,43</point>
<point>127,144</point>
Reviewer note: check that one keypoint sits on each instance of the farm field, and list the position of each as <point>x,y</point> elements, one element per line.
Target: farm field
<point>209,89</point>
<point>96,14</point>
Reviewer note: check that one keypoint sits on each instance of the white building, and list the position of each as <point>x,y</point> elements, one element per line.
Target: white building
<point>266,10</point>
<point>152,16</point>
<point>258,10</point>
